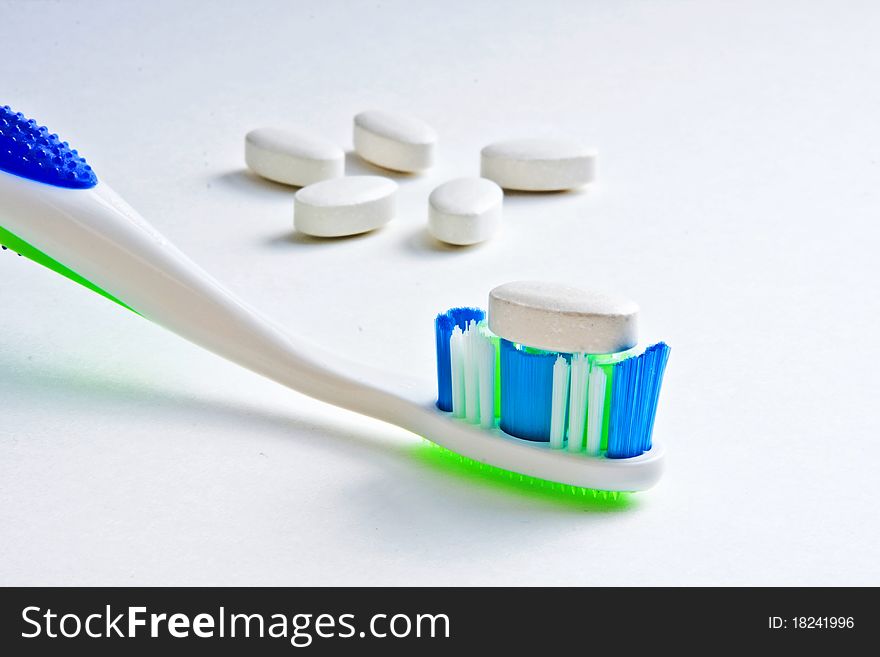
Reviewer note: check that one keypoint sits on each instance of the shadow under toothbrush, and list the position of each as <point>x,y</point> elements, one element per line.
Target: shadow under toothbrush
<point>439,469</point>
<point>488,476</point>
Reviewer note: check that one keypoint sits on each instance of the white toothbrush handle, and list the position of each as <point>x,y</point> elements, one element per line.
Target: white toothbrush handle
<point>99,236</point>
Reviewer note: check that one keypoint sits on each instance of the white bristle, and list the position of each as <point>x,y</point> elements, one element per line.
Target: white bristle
<point>596,410</point>
<point>486,353</point>
<point>559,402</point>
<point>471,374</point>
<point>577,402</point>
<point>456,359</point>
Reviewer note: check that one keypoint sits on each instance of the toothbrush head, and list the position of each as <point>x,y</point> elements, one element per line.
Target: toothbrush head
<point>27,149</point>
<point>591,411</point>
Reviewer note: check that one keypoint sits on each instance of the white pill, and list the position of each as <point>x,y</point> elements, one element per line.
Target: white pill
<point>394,141</point>
<point>562,318</point>
<point>344,206</point>
<point>538,165</point>
<point>465,210</point>
<point>292,158</point>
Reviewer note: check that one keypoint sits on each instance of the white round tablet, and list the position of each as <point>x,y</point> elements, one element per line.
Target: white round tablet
<point>465,211</point>
<point>344,206</point>
<point>394,141</point>
<point>292,158</point>
<point>562,318</point>
<point>538,165</point>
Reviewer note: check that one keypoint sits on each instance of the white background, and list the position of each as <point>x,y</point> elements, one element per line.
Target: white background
<point>738,204</point>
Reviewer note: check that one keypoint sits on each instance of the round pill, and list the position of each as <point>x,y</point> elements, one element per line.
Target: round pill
<point>562,318</point>
<point>344,206</point>
<point>465,211</point>
<point>292,158</point>
<point>538,165</point>
<point>394,141</point>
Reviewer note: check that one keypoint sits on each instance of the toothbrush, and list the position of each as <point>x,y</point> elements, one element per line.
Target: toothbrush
<point>55,211</point>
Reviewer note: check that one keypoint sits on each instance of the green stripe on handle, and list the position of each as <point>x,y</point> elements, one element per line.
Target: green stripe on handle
<point>15,243</point>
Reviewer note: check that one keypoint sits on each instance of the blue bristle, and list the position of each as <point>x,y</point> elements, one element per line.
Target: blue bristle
<point>636,388</point>
<point>526,392</point>
<point>443,326</point>
<point>28,150</point>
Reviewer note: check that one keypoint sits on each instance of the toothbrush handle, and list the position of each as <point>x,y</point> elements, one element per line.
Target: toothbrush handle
<point>101,238</point>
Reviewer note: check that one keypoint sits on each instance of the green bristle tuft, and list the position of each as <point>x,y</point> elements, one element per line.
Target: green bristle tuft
<point>496,341</point>
<point>606,410</point>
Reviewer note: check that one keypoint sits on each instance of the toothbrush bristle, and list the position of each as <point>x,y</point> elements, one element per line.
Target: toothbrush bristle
<point>29,150</point>
<point>599,405</point>
<point>443,327</point>
<point>526,391</point>
<point>634,397</point>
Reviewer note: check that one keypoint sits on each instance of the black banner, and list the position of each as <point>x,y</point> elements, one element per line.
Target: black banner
<point>276,621</point>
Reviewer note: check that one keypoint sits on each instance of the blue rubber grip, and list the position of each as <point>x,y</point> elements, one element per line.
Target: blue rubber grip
<point>28,150</point>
